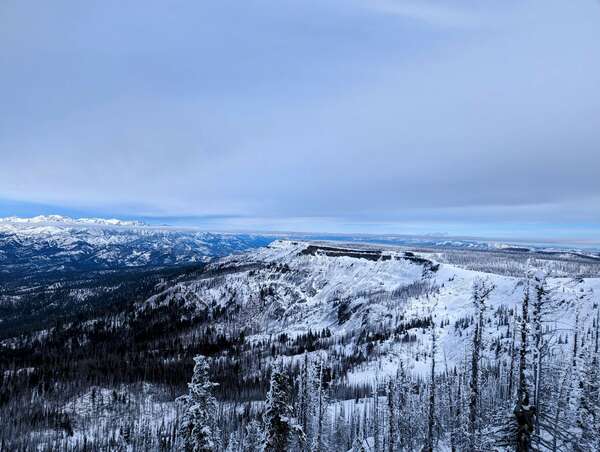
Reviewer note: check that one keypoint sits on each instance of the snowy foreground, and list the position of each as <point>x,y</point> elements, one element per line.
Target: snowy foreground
<point>343,347</point>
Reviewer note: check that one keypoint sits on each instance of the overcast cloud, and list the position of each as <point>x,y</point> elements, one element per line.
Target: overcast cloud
<point>281,113</point>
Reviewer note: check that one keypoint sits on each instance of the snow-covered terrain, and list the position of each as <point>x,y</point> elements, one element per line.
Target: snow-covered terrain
<point>367,314</point>
<point>292,287</point>
<point>56,243</point>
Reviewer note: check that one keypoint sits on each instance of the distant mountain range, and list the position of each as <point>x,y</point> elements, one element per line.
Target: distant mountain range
<point>44,219</point>
<point>54,243</point>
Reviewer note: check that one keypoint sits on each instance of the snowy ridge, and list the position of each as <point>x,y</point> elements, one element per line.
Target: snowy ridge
<point>292,287</point>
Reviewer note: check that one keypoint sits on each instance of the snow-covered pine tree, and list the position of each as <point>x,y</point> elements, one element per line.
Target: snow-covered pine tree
<point>198,430</point>
<point>277,417</point>
<point>539,311</point>
<point>320,407</point>
<point>513,357</point>
<point>392,422</point>
<point>593,383</point>
<point>524,413</point>
<point>340,434</point>
<point>574,389</point>
<point>558,405</point>
<point>406,425</point>
<point>481,291</point>
<point>431,408</point>
<point>376,418</point>
<point>587,409</point>
<point>233,443</point>
<point>253,438</point>
<point>304,395</point>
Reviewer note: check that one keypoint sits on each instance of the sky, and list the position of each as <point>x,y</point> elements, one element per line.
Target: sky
<point>374,116</point>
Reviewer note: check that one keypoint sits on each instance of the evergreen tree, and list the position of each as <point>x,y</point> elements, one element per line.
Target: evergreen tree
<point>431,411</point>
<point>404,389</point>
<point>524,413</point>
<point>253,438</point>
<point>539,312</point>
<point>277,418</point>
<point>304,395</point>
<point>198,429</point>
<point>233,443</point>
<point>392,423</point>
<point>321,408</point>
<point>587,410</point>
<point>481,291</point>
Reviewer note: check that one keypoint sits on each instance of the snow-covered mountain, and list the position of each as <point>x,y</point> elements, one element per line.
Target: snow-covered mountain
<point>366,294</point>
<point>53,243</point>
<point>362,311</point>
<point>60,219</point>
<point>56,243</point>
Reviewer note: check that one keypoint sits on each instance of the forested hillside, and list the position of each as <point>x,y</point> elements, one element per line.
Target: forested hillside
<point>325,347</point>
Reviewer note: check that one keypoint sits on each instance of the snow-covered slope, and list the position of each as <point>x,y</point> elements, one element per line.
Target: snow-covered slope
<point>376,303</point>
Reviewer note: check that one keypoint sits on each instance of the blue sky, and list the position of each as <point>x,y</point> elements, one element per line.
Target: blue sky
<point>383,116</point>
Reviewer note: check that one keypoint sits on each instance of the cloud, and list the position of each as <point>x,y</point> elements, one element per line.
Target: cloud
<point>305,110</point>
<point>445,14</point>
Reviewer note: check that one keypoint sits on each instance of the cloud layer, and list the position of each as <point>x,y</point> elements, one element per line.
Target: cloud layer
<point>363,111</point>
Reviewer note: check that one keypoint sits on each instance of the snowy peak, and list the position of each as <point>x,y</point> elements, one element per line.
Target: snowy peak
<point>54,243</point>
<point>59,219</point>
